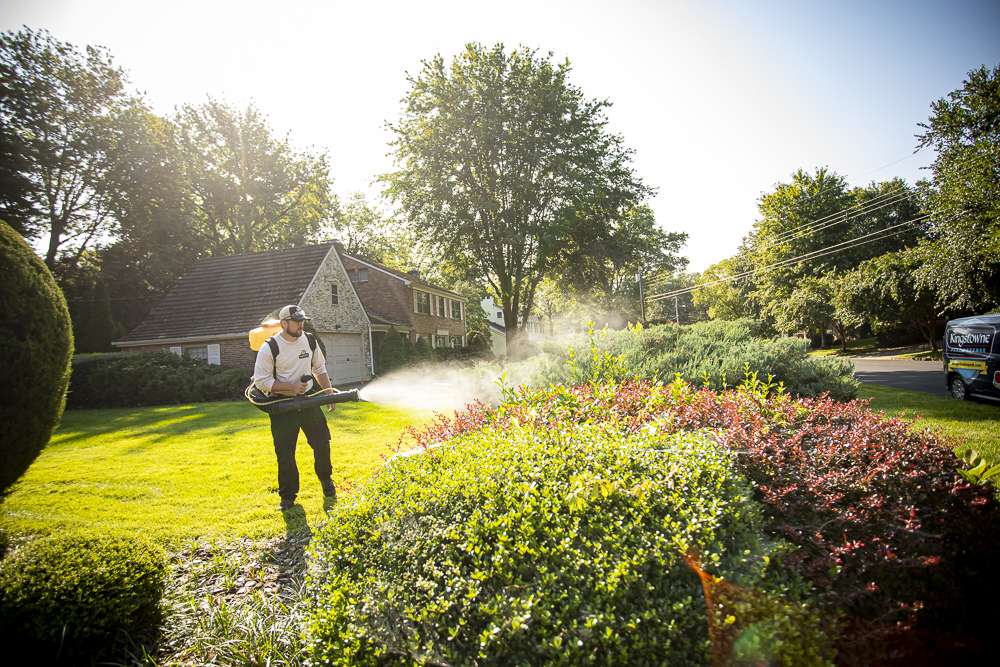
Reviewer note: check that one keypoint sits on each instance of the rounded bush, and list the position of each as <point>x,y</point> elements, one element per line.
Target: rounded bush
<point>517,546</point>
<point>80,596</point>
<point>36,345</point>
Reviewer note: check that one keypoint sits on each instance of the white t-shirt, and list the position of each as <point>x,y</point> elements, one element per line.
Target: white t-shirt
<point>294,360</point>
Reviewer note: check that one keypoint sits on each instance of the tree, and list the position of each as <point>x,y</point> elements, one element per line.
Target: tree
<point>817,213</point>
<point>963,258</point>
<point>500,160</point>
<point>250,191</point>
<point>58,111</point>
<point>366,231</point>
<point>603,262</point>
<point>882,292</point>
<point>722,294</point>
<point>810,308</point>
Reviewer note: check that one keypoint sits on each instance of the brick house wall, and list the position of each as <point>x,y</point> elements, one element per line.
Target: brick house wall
<point>387,296</point>
<point>233,352</point>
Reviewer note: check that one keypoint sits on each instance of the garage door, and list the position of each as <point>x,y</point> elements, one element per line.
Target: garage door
<point>345,361</point>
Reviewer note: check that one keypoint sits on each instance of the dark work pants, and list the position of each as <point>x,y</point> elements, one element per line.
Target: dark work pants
<point>285,430</point>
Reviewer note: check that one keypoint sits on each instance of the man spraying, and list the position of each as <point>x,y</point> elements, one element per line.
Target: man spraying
<point>280,367</point>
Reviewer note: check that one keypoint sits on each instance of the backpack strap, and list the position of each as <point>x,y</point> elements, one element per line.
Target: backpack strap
<point>273,344</point>
<point>312,341</point>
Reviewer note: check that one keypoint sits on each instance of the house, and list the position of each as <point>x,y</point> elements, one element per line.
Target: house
<point>209,313</point>
<point>413,307</point>
<point>532,327</point>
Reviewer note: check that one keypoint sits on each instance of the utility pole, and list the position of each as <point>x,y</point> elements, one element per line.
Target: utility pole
<point>642,302</point>
<point>677,312</point>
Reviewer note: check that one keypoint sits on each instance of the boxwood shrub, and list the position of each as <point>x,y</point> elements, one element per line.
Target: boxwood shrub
<point>36,343</point>
<point>151,378</point>
<point>79,598</point>
<point>715,354</point>
<point>524,546</point>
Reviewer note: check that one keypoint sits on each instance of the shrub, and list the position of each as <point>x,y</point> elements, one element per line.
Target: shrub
<point>151,378</point>
<point>714,354</point>
<point>79,597</point>
<point>891,536</point>
<point>520,546</point>
<point>393,352</point>
<point>36,344</point>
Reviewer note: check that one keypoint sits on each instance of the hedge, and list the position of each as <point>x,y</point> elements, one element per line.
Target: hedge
<point>899,547</point>
<point>151,378</point>
<point>524,546</point>
<point>80,598</point>
<point>36,344</point>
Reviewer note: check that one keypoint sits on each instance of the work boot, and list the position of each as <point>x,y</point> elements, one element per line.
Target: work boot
<point>287,504</point>
<point>329,490</point>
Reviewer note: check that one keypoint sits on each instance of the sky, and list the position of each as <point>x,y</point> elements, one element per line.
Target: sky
<point>720,100</point>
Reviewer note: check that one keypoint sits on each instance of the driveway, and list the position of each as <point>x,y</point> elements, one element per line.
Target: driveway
<point>925,376</point>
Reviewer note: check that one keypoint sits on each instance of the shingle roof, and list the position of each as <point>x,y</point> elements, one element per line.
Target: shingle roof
<point>223,295</point>
<point>417,282</point>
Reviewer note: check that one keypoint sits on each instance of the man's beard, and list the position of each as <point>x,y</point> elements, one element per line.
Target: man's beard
<point>293,335</point>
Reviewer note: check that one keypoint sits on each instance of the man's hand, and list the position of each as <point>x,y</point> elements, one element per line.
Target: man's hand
<point>330,406</point>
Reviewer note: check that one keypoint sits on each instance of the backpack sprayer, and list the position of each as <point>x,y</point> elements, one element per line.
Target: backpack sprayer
<point>278,404</point>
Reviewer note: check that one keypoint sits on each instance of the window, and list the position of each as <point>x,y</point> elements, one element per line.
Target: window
<point>499,315</point>
<point>456,310</point>
<point>442,308</point>
<point>199,352</point>
<point>334,297</point>
<point>423,302</point>
<point>456,341</point>
<point>358,275</point>
<point>440,341</point>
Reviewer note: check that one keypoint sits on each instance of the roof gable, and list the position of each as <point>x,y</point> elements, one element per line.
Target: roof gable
<point>221,295</point>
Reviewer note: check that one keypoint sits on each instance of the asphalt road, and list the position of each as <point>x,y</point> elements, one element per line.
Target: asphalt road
<point>925,376</point>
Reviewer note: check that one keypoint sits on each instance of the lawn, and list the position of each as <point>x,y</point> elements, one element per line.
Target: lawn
<point>200,471</point>
<point>965,422</point>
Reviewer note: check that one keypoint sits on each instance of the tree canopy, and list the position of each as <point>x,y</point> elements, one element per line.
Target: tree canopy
<point>501,160</point>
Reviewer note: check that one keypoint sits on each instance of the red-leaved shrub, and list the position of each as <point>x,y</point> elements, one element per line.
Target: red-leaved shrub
<point>894,541</point>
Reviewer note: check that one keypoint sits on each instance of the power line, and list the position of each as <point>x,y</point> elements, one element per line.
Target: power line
<point>864,209</point>
<point>815,226</point>
<point>815,254</point>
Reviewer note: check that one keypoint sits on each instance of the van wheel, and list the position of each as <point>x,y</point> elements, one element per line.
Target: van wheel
<point>957,389</point>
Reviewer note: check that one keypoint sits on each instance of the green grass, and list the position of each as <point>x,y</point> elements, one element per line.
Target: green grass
<point>200,471</point>
<point>854,348</point>
<point>964,422</point>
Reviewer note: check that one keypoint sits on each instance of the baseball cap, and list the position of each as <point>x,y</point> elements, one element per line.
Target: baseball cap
<point>292,312</point>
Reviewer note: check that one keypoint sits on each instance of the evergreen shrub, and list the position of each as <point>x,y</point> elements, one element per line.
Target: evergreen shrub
<point>714,354</point>
<point>80,598</point>
<point>518,545</point>
<point>151,378</point>
<point>36,345</point>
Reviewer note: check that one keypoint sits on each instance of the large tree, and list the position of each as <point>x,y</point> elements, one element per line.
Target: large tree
<point>500,160</point>
<point>602,262</point>
<point>882,293</point>
<point>250,190</point>
<point>963,260</point>
<point>816,217</point>
<point>58,112</point>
